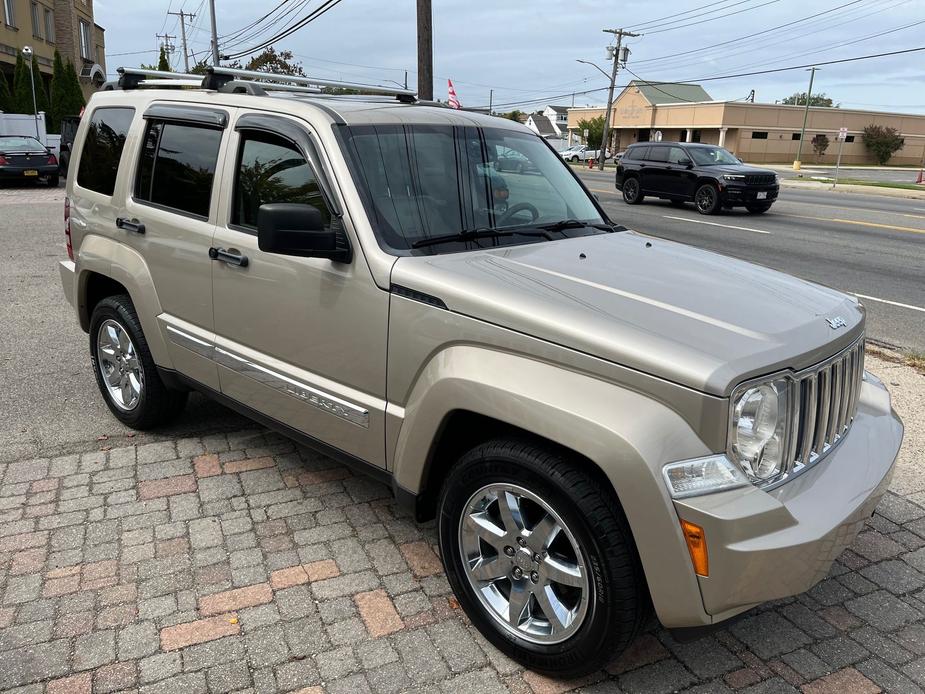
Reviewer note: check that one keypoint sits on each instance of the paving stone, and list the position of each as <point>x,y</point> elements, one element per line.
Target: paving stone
<point>706,657</point>
<point>138,640</point>
<point>336,663</point>
<point>115,677</point>
<point>297,674</point>
<point>187,683</point>
<point>884,610</point>
<point>93,650</point>
<point>345,585</point>
<point>388,679</point>
<point>846,680</point>
<point>159,666</point>
<point>229,677</point>
<point>894,575</point>
<point>421,659</point>
<point>199,631</point>
<point>840,651</point>
<point>267,646</point>
<point>458,648</point>
<point>769,635</point>
<point>213,653</point>
<point>663,676</point>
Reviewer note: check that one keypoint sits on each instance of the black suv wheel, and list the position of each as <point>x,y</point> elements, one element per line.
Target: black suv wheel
<point>707,199</point>
<point>632,193</point>
<point>540,556</point>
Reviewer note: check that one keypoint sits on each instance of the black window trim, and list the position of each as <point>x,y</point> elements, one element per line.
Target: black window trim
<point>159,206</point>
<point>187,115</point>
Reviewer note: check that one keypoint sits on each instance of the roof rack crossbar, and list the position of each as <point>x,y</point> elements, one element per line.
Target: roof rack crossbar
<point>262,89</point>
<point>225,74</point>
<point>132,77</point>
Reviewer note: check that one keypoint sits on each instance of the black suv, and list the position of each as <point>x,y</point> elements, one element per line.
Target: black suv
<point>709,176</point>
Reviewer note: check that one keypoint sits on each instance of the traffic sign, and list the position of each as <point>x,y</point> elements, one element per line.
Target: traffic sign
<point>658,136</point>
<point>842,134</point>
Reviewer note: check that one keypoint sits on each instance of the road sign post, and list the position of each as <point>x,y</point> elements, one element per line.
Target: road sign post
<point>842,136</point>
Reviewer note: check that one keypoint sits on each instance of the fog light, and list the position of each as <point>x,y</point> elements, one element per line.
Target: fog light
<point>697,546</point>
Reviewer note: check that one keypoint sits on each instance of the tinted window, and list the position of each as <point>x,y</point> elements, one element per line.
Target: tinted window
<point>676,155</point>
<point>14,143</point>
<point>658,154</point>
<point>271,169</point>
<point>102,149</point>
<point>177,166</point>
<point>637,153</point>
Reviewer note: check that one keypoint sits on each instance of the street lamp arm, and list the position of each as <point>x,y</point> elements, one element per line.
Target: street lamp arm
<point>588,62</point>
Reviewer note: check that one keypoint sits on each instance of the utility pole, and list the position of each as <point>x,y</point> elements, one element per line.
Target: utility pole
<point>406,79</point>
<point>168,47</point>
<point>215,57</point>
<point>425,51</point>
<point>809,96</point>
<point>491,95</point>
<point>183,17</point>
<point>619,33</point>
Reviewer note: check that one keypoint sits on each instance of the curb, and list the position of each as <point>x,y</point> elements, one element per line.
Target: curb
<point>852,188</point>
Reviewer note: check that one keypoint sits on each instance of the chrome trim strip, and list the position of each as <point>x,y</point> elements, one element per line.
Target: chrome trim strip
<point>302,391</point>
<point>190,342</point>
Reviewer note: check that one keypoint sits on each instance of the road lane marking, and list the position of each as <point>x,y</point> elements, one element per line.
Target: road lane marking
<point>715,224</point>
<point>857,222</point>
<point>599,190</point>
<point>887,301</point>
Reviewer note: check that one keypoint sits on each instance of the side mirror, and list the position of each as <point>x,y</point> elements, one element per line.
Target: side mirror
<point>686,162</point>
<point>296,229</point>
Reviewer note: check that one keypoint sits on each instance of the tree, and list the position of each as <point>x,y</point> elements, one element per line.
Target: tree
<point>22,94</point>
<point>277,63</point>
<point>6,96</point>
<point>595,128</point>
<point>514,115</point>
<point>820,144</point>
<point>41,93</point>
<point>882,141</point>
<point>163,64</point>
<point>799,99</point>
<point>59,92</point>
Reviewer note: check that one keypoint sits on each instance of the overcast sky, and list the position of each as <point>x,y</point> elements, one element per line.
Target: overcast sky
<point>526,51</point>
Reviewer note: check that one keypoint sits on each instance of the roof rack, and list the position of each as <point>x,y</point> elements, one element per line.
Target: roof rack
<point>250,82</point>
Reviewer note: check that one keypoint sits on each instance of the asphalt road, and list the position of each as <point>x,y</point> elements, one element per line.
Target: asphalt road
<point>49,401</point>
<point>868,245</point>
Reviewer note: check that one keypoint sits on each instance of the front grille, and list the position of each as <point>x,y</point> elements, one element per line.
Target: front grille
<point>759,179</point>
<point>827,399</point>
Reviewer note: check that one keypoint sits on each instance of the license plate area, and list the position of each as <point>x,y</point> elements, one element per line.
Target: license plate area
<point>30,172</point>
<point>761,195</point>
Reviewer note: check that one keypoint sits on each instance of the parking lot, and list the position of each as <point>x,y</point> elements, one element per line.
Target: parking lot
<point>219,557</point>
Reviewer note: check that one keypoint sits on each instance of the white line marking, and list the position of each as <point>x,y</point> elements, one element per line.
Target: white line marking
<point>715,224</point>
<point>891,303</point>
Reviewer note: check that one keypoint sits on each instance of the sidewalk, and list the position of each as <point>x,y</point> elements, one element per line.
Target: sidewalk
<point>852,188</point>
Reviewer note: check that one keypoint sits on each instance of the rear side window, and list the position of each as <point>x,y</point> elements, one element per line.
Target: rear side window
<point>658,154</point>
<point>102,149</point>
<point>272,169</point>
<point>637,153</point>
<point>178,166</point>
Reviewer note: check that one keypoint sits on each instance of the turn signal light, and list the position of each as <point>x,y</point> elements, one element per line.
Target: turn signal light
<point>697,546</point>
<point>3,161</point>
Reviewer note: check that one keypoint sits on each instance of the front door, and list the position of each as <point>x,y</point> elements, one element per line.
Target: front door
<point>300,340</point>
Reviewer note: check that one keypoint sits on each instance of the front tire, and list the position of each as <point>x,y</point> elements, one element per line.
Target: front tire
<point>632,193</point>
<point>706,199</point>
<point>540,556</point>
<point>574,160</point>
<point>124,368</point>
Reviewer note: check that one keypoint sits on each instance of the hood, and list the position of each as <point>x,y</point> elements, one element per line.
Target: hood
<point>737,169</point>
<point>690,316</point>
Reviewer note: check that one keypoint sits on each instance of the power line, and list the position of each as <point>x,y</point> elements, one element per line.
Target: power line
<point>712,19</point>
<point>312,16</point>
<point>644,25</point>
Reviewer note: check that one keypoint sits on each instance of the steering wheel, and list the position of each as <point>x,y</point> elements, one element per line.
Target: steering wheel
<point>517,209</point>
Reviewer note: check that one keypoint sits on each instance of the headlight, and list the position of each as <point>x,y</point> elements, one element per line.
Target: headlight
<point>776,179</point>
<point>759,429</point>
<point>734,177</point>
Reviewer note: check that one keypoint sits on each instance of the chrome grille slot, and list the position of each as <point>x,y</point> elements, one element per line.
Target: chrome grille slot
<point>827,397</point>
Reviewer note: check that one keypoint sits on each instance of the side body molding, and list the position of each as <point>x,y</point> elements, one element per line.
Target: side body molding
<point>627,434</point>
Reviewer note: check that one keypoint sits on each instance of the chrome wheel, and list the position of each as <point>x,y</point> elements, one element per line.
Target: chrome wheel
<point>119,365</point>
<point>523,563</point>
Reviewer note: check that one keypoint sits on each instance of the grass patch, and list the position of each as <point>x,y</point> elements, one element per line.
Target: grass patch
<point>911,358</point>
<point>878,184</point>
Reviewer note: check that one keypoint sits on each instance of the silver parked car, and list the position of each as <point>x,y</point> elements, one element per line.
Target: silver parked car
<point>601,422</point>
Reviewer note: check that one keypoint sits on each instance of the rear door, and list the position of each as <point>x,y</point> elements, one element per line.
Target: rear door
<point>653,169</point>
<point>174,201</point>
<point>678,179</point>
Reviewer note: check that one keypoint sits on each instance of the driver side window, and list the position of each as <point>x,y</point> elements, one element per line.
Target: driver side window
<point>272,169</point>
<point>677,156</point>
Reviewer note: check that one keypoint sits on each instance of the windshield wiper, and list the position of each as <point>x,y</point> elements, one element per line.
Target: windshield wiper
<point>476,234</point>
<point>575,224</point>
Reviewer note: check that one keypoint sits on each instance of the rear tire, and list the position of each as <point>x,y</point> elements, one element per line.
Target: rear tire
<point>707,199</point>
<point>124,368</point>
<point>589,570</point>
<point>54,181</point>
<point>632,193</point>
<point>757,209</point>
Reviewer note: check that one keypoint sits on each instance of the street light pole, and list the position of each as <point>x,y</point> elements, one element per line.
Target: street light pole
<point>809,96</point>
<point>619,33</point>
<point>27,55</point>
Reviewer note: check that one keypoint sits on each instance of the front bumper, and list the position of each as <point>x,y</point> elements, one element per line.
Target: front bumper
<point>768,545</point>
<point>18,173</point>
<point>739,195</point>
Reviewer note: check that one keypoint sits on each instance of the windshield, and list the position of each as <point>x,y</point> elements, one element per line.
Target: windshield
<point>20,144</point>
<point>424,181</point>
<point>708,156</point>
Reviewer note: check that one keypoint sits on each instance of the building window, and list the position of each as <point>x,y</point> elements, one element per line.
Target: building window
<point>9,17</point>
<point>759,135</point>
<point>36,21</point>
<point>849,138</point>
<point>85,41</point>
<point>49,25</point>
<point>795,136</point>
<point>695,136</point>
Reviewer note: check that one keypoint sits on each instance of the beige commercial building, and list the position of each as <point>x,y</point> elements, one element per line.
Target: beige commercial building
<point>46,25</point>
<point>754,132</point>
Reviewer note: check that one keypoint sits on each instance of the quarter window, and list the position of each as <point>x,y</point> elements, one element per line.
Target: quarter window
<point>102,149</point>
<point>271,169</point>
<point>177,166</point>
<point>759,135</point>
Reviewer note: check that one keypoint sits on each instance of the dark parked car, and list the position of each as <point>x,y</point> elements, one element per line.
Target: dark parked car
<point>23,158</point>
<point>709,176</point>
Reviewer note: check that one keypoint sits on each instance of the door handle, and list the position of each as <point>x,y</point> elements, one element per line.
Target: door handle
<point>130,225</point>
<point>232,257</point>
